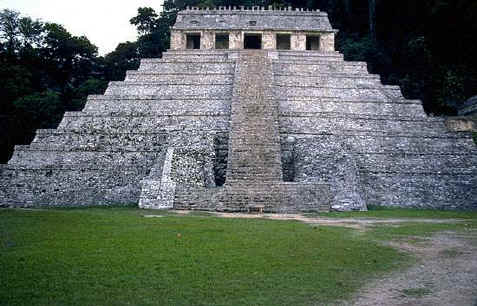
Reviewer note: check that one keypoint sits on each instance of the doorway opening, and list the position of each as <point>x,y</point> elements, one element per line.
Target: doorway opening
<point>312,42</point>
<point>283,41</point>
<point>221,41</point>
<point>193,41</point>
<point>253,41</point>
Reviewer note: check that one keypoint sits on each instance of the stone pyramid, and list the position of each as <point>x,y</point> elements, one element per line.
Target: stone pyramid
<point>286,129</point>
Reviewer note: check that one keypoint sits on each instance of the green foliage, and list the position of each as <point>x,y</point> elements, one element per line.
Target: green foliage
<point>125,57</point>
<point>15,83</point>
<point>40,110</point>
<point>145,21</point>
<point>389,212</point>
<point>91,86</point>
<point>154,29</point>
<point>9,29</point>
<point>44,70</point>
<point>449,89</point>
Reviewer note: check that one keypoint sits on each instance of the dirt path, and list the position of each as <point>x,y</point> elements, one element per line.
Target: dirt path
<point>356,223</point>
<point>445,272</point>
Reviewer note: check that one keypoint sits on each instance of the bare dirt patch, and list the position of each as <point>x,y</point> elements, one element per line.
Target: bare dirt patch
<point>445,274</point>
<point>356,223</point>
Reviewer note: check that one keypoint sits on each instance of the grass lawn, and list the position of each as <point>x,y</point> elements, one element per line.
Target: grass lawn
<point>114,256</point>
<point>386,212</point>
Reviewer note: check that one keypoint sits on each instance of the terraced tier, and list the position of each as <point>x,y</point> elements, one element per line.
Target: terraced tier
<point>286,130</point>
<point>101,155</point>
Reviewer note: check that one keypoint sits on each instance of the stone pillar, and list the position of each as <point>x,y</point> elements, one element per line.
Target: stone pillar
<point>269,41</point>
<point>207,40</point>
<point>177,40</point>
<point>235,40</point>
<point>298,41</point>
<point>327,42</point>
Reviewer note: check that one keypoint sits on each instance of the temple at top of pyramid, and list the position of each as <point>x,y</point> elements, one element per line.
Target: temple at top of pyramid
<point>254,28</point>
<point>252,108</point>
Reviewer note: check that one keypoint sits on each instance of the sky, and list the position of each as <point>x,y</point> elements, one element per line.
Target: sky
<point>104,22</point>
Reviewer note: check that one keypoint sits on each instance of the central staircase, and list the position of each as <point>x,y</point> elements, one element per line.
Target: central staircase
<point>254,143</point>
<point>254,171</point>
<point>254,176</point>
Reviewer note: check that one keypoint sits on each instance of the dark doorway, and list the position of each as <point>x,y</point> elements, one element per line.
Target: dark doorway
<point>193,41</point>
<point>252,41</point>
<point>283,41</point>
<point>312,42</point>
<point>221,41</point>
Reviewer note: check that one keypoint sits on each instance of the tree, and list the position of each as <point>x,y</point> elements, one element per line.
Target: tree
<point>145,21</point>
<point>124,57</point>
<point>9,29</point>
<point>70,59</point>
<point>39,110</point>
<point>92,86</point>
<point>154,29</point>
<point>19,32</point>
<point>372,19</point>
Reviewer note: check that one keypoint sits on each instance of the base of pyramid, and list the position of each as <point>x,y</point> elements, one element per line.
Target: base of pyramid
<point>272,197</point>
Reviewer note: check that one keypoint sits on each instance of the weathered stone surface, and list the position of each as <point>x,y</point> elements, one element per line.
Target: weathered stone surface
<point>462,124</point>
<point>267,24</point>
<point>226,129</point>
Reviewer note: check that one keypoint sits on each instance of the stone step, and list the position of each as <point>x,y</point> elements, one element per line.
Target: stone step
<point>191,67</point>
<point>78,157</point>
<point>158,105</point>
<point>82,145</point>
<point>273,196</point>
<point>254,119</point>
<point>382,143</point>
<point>111,140</point>
<point>457,164</point>
<point>185,59</point>
<point>442,191</point>
<point>190,55</point>
<point>311,61</point>
<point>310,69</point>
<point>325,75</point>
<point>175,91</point>
<point>141,124</point>
<point>156,194</point>
<point>62,187</point>
<point>164,78</point>
<point>308,53</point>
<point>343,81</point>
<point>309,125</point>
<point>298,108</point>
<point>349,94</point>
<point>170,107</point>
<point>206,52</point>
<point>351,115</point>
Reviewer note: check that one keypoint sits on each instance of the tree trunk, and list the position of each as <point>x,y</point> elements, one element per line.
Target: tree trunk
<point>372,19</point>
<point>347,7</point>
<point>348,11</point>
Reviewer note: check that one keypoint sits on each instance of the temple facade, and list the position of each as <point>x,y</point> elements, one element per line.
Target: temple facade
<point>227,28</point>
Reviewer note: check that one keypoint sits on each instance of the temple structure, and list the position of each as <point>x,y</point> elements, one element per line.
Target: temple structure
<point>251,108</point>
<point>254,28</point>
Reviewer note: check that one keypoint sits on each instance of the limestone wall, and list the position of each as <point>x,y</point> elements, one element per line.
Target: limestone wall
<point>236,39</point>
<point>342,134</point>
